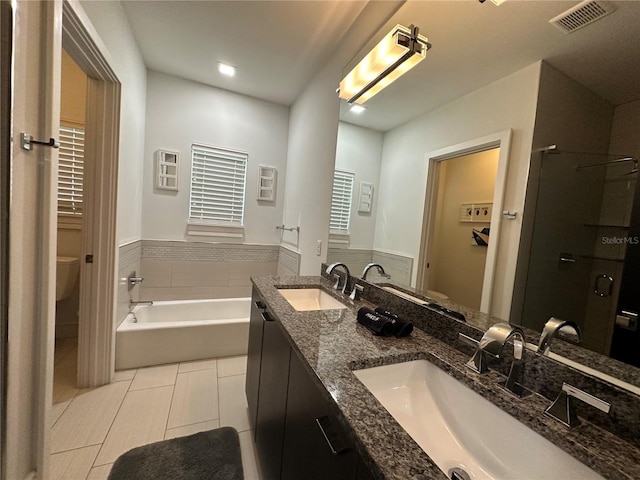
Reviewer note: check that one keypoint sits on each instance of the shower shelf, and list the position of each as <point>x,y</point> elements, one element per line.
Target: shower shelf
<point>592,257</point>
<point>602,225</point>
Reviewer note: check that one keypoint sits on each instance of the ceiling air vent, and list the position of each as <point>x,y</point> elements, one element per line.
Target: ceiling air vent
<point>581,15</point>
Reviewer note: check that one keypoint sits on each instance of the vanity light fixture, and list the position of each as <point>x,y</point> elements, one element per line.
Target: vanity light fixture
<point>357,109</point>
<point>226,69</point>
<point>397,53</point>
<point>498,2</point>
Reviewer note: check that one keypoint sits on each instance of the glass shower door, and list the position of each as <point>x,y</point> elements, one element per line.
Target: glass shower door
<point>580,239</point>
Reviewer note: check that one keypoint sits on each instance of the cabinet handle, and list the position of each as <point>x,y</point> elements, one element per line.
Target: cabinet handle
<point>328,433</point>
<point>266,317</point>
<point>260,304</point>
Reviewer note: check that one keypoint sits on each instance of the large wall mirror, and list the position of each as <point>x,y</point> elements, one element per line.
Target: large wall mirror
<point>568,233</point>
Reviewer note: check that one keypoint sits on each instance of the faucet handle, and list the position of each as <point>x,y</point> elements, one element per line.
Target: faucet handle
<point>562,408</point>
<point>337,284</point>
<point>478,363</point>
<point>354,293</point>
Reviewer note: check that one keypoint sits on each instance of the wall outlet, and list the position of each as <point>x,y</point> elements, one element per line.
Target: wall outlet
<point>319,247</point>
<point>482,212</point>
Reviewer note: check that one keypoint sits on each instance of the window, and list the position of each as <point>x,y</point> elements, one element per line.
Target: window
<point>218,179</point>
<point>341,198</point>
<point>70,171</point>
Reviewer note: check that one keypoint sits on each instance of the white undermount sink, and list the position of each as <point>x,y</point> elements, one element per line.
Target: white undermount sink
<point>459,429</point>
<point>306,299</point>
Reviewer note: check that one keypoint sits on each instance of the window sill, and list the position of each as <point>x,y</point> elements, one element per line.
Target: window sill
<point>342,239</point>
<point>213,230</point>
<point>69,222</point>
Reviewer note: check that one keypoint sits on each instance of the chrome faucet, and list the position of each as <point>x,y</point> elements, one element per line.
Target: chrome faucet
<point>551,329</point>
<point>133,303</point>
<point>330,270</point>
<point>492,343</point>
<point>381,271</point>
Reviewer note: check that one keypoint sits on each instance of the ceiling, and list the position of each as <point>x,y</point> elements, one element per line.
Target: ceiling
<point>276,45</point>
<point>279,45</point>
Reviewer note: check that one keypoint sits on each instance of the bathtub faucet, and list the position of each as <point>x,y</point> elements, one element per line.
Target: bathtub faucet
<point>133,303</point>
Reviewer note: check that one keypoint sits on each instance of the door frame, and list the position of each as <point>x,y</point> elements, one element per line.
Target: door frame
<point>98,282</point>
<point>500,140</point>
<point>6,90</point>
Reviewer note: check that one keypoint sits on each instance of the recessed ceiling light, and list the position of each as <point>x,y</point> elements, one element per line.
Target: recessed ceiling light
<point>357,109</point>
<point>228,70</point>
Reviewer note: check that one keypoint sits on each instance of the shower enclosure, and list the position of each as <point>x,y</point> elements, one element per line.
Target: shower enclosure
<point>584,262</point>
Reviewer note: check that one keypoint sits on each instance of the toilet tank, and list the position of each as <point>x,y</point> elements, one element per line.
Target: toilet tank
<point>67,269</point>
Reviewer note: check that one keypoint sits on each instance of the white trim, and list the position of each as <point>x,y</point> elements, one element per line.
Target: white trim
<point>128,242</point>
<point>214,230</point>
<point>98,281</point>
<point>287,247</point>
<point>500,140</point>
<point>392,252</point>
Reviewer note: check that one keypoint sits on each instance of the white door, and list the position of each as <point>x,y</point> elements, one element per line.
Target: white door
<point>32,237</point>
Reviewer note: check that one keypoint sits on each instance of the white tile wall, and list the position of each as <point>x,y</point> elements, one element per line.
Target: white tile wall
<point>191,270</point>
<point>129,261</point>
<point>288,262</point>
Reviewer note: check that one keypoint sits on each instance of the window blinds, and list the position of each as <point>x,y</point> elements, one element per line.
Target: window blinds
<point>70,171</point>
<point>341,199</point>
<point>218,179</point>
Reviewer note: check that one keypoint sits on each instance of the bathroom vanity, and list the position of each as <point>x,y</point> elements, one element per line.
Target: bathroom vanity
<point>313,418</point>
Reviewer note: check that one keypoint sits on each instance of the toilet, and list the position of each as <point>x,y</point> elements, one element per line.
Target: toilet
<point>437,295</point>
<point>66,276</point>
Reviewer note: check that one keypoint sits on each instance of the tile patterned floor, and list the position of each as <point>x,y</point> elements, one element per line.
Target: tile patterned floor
<point>92,427</point>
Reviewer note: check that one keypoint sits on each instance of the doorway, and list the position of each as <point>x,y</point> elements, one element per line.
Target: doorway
<point>71,160</point>
<point>98,256</point>
<point>467,204</point>
<point>462,226</point>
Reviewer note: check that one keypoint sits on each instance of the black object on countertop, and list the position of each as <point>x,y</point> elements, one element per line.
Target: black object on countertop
<point>451,313</point>
<point>401,327</point>
<point>378,324</point>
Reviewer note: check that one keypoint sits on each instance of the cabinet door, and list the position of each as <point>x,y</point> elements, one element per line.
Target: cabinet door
<point>362,471</point>
<point>254,355</point>
<point>272,399</point>
<point>311,432</point>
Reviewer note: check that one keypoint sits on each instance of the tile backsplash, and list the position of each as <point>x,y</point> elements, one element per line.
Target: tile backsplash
<point>174,270</point>
<point>129,261</point>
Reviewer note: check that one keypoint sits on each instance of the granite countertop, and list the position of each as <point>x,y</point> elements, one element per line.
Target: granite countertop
<point>333,344</point>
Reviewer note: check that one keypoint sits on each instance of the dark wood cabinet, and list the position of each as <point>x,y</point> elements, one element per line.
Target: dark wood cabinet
<point>272,398</point>
<point>254,355</point>
<point>296,431</point>
<point>315,446</point>
<point>362,471</point>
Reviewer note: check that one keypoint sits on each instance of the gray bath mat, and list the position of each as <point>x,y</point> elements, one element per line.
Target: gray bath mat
<point>212,455</point>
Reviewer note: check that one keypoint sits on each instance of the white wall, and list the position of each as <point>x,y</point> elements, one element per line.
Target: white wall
<point>313,126</point>
<point>359,150</point>
<point>507,103</point>
<point>110,22</point>
<point>181,112</point>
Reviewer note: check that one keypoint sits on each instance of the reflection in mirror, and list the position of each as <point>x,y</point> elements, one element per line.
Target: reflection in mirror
<point>457,250</point>
<point>582,262</point>
<point>542,105</point>
<point>607,328</point>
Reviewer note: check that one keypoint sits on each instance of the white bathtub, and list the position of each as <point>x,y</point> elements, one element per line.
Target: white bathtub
<point>179,331</point>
